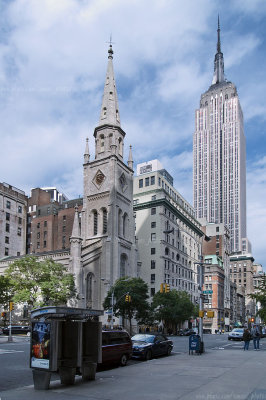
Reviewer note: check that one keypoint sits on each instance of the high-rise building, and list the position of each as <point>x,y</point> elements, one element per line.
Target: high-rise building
<point>168,235</point>
<point>219,156</point>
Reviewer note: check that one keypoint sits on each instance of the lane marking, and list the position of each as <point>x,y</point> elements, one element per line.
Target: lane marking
<point>4,351</point>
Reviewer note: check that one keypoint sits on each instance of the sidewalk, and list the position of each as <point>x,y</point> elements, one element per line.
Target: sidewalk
<point>215,375</point>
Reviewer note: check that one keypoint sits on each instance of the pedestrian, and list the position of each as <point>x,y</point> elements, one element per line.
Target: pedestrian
<point>255,332</point>
<point>246,338</point>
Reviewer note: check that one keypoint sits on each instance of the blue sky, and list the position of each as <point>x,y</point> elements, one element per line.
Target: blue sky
<point>53,59</point>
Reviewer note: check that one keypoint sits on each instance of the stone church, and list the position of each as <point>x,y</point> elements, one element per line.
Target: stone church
<point>103,242</point>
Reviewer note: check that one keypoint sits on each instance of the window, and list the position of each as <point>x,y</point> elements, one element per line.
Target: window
<point>44,243</point>
<point>7,217</point>
<point>8,204</point>
<point>95,223</point>
<point>63,242</point>
<point>152,278</point>
<point>38,235</point>
<point>38,225</point>
<point>217,228</point>
<point>152,180</point>
<point>166,251</point>
<point>152,250</point>
<point>153,237</point>
<point>153,210</point>
<point>141,183</point>
<point>7,240</point>
<point>6,251</point>
<point>152,291</point>
<point>20,221</point>
<point>7,227</point>
<point>147,181</point>
<point>45,224</point>
<point>153,264</point>
<point>153,224</point>
<point>45,234</point>
<point>104,221</point>
<point>20,209</point>
<point>19,231</point>
<point>38,245</point>
<point>153,197</point>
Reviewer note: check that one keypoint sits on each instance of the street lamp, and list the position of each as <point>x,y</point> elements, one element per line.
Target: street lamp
<point>201,272</point>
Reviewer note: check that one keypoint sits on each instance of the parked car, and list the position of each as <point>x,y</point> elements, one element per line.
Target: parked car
<point>17,330</point>
<point>1,331</point>
<point>236,334</point>
<point>116,347</point>
<point>147,346</point>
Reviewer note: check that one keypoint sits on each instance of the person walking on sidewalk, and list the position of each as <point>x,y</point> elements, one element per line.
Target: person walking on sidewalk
<point>246,338</point>
<point>255,332</point>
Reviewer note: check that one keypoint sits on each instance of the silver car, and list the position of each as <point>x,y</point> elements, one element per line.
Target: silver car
<point>236,334</point>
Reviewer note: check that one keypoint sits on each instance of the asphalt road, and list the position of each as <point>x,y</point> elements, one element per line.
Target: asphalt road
<point>14,357</point>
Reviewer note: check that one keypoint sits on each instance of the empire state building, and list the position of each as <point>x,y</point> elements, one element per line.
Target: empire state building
<point>219,156</point>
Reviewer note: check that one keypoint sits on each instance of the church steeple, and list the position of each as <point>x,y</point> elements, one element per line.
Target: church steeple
<point>218,75</point>
<point>109,111</point>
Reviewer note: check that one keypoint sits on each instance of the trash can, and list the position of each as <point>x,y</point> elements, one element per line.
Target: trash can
<point>195,344</point>
<point>64,340</point>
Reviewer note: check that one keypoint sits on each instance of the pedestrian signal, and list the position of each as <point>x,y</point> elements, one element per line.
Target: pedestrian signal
<point>3,314</point>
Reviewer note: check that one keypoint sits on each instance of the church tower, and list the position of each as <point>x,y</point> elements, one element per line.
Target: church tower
<point>107,223</point>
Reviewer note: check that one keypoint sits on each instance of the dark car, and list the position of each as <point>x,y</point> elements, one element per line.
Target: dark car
<point>116,347</point>
<point>147,346</point>
<point>188,332</point>
<point>17,330</point>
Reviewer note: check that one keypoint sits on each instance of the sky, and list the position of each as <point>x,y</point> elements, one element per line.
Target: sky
<point>53,60</point>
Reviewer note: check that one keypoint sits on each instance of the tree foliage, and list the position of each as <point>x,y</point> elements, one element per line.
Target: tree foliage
<point>260,297</point>
<point>173,307</point>
<point>137,308</point>
<point>40,283</point>
<point>6,292</point>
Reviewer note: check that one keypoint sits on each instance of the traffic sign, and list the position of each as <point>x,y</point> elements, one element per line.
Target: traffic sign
<point>207,291</point>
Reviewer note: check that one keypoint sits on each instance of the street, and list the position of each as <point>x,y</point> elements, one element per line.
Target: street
<point>14,357</point>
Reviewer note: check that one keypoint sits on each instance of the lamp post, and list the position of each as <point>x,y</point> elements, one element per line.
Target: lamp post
<point>201,272</point>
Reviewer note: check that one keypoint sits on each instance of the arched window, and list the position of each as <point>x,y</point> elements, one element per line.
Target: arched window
<point>125,224</point>
<point>120,222</point>
<point>123,261</point>
<point>120,147</point>
<point>95,222</point>
<point>101,143</point>
<point>104,221</point>
<point>89,280</point>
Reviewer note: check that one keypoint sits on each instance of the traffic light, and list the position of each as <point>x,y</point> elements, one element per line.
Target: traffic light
<point>11,306</point>
<point>252,319</point>
<point>210,314</point>
<point>128,298</point>
<point>3,314</point>
<point>161,287</point>
<point>167,288</point>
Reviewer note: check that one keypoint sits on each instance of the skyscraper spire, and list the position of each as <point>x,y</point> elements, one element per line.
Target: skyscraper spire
<point>218,37</point>
<point>109,111</point>
<point>218,75</point>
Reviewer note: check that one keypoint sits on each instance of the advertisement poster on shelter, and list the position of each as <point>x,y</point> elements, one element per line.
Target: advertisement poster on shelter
<point>40,345</point>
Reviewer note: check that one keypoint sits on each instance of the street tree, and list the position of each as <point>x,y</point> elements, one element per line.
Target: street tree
<point>137,305</point>
<point>260,297</point>
<point>5,291</point>
<point>40,283</point>
<point>173,307</point>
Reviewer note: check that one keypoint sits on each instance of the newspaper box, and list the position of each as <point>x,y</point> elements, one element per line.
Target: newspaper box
<point>64,340</point>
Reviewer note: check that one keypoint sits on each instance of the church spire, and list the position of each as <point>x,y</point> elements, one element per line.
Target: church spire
<point>109,111</point>
<point>218,75</point>
<point>87,153</point>
<point>130,158</point>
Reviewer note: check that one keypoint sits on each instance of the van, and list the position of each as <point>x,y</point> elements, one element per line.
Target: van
<point>116,347</point>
